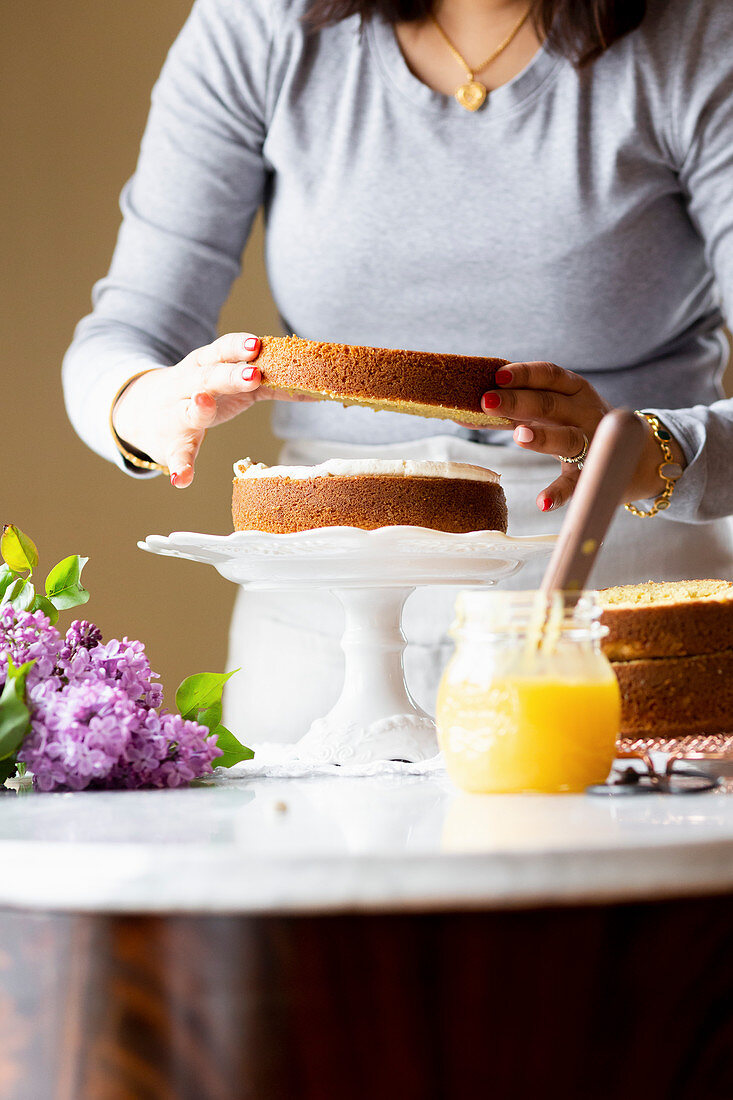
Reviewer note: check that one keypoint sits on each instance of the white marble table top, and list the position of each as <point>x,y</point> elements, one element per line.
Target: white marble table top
<point>336,844</point>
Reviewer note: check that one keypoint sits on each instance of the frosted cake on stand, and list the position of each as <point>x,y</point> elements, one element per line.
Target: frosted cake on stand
<point>368,494</point>
<point>370,531</point>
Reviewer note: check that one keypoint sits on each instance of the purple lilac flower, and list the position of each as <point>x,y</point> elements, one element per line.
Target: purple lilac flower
<point>94,716</point>
<point>91,734</point>
<point>123,663</point>
<point>28,636</point>
<point>80,635</point>
<point>77,735</point>
<point>165,750</point>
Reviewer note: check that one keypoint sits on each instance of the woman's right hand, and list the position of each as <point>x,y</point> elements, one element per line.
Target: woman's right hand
<point>166,412</point>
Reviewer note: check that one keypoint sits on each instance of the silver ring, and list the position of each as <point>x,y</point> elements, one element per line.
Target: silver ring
<point>580,457</point>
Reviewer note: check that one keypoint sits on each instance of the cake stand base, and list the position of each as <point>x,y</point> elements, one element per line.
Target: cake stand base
<point>375,717</point>
<point>372,573</point>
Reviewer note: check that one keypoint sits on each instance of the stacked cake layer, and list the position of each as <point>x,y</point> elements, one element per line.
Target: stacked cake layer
<point>671,646</point>
<point>367,493</point>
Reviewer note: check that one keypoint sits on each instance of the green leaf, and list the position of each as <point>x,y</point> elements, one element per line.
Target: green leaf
<point>15,717</point>
<point>40,603</point>
<point>211,717</point>
<point>21,594</point>
<point>18,550</point>
<point>20,672</point>
<point>201,691</point>
<point>62,583</point>
<point>7,576</point>
<point>234,750</point>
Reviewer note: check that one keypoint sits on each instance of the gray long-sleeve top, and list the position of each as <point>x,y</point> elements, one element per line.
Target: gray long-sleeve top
<point>583,217</point>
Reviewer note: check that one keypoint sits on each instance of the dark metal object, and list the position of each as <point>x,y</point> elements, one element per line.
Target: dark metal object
<point>695,776</point>
<point>714,765</point>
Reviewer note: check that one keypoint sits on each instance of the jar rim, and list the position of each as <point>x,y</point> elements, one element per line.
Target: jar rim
<point>517,611</point>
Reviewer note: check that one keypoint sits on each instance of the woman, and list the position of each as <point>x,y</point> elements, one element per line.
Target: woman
<point>581,215</point>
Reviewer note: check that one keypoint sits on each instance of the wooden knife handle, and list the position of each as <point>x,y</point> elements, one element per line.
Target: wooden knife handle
<point>612,459</point>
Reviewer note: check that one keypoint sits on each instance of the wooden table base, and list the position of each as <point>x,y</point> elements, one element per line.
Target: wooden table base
<point>618,1001</point>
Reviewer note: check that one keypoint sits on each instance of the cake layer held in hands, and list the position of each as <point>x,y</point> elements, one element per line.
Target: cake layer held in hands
<point>449,387</point>
<point>671,646</point>
<point>367,493</point>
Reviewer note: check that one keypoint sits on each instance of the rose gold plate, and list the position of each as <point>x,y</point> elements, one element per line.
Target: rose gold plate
<point>706,744</point>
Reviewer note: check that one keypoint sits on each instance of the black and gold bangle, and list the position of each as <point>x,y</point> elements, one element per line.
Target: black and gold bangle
<point>668,470</point>
<point>131,454</point>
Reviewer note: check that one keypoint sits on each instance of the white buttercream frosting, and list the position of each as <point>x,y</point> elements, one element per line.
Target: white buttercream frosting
<point>361,467</point>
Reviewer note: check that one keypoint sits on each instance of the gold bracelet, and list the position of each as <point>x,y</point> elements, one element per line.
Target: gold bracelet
<point>136,458</point>
<point>669,470</point>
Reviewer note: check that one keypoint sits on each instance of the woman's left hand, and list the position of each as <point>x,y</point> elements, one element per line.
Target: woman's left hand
<point>553,411</point>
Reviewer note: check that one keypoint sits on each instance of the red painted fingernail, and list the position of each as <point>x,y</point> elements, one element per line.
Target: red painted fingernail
<point>174,479</point>
<point>491,400</point>
<point>201,398</point>
<point>250,373</point>
<point>252,344</point>
<point>546,504</point>
<point>502,377</point>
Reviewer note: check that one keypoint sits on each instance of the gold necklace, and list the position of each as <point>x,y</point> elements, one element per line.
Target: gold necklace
<point>472,93</point>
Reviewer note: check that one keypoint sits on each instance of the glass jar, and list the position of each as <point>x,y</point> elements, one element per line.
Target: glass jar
<point>528,701</point>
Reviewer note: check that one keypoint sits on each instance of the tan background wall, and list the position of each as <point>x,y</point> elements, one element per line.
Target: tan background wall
<point>77,79</point>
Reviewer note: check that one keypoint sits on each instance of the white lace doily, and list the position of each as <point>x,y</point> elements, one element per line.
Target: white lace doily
<point>276,761</point>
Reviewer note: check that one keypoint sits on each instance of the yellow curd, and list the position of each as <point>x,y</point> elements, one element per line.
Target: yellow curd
<point>520,710</point>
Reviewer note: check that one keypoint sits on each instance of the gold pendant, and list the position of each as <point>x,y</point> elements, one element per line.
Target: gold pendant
<point>471,95</point>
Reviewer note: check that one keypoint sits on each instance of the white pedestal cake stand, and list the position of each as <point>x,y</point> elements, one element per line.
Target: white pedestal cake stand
<point>372,573</point>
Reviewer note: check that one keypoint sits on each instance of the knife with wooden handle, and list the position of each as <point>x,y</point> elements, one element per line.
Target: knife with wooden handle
<point>612,459</point>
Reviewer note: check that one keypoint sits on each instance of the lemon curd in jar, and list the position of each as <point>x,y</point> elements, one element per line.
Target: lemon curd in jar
<point>528,702</point>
